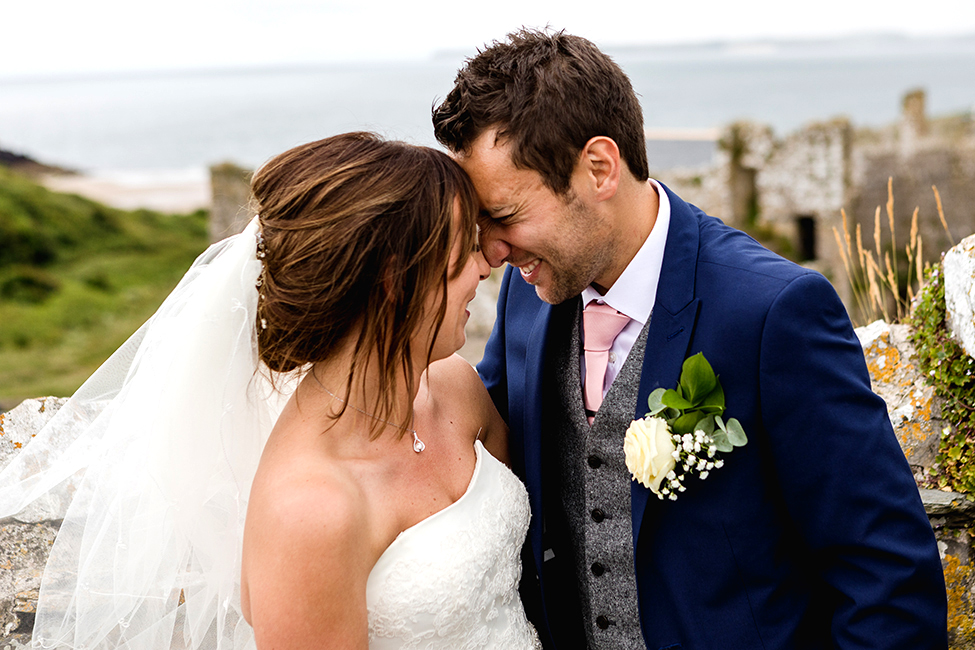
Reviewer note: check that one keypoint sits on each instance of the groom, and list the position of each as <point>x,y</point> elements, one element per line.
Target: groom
<point>811,535</point>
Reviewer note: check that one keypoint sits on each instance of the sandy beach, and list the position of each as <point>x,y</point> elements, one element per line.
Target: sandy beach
<point>177,191</point>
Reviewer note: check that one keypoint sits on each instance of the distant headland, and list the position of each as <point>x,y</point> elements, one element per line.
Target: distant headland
<point>27,165</point>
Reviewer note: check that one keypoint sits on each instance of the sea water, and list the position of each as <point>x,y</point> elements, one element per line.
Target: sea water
<point>190,120</point>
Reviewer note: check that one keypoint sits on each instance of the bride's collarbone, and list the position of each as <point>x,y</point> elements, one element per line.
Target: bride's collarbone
<point>395,486</point>
<point>436,473</point>
<point>403,494</point>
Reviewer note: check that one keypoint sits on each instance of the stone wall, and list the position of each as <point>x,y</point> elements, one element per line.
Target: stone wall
<point>949,166</point>
<point>232,204</point>
<point>789,191</point>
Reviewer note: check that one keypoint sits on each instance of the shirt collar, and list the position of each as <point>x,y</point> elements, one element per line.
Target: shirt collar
<point>635,291</point>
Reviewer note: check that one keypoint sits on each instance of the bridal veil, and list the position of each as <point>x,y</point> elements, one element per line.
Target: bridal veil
<point>164,440</point>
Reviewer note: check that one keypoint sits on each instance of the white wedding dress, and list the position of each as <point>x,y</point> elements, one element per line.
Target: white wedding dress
<point>451,580</point>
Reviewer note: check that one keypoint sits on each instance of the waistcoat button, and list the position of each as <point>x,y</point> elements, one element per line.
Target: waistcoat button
<point>602,622</point>
<point>597,569</point>
<point>595,462</point>
<point>598,515</point>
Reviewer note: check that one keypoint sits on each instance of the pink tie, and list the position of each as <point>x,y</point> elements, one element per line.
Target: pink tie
<point>601,324</point>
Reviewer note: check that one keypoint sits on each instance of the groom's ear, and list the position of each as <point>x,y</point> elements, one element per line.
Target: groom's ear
<point>601,164</point>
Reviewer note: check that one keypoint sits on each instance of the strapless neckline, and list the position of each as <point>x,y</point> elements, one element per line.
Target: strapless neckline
<point>404,534</point>
<point>451,580</point>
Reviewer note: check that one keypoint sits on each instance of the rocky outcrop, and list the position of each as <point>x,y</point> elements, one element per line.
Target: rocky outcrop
<point>26,539</point>
<point>17,428</point>
<point>915,411</point>
<point>959,270</point>
<point>23,553</point>
<point>916,415</point>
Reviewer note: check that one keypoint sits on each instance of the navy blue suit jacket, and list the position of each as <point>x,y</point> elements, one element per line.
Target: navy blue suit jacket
<point>813,534</point>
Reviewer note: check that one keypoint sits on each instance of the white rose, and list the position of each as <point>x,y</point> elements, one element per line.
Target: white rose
<point>649,447</point>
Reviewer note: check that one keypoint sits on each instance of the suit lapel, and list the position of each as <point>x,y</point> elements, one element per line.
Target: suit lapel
<point>534,366</point>
<point>672,325</point>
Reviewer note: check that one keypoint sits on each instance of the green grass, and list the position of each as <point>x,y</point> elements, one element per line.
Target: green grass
<point>76,279</point>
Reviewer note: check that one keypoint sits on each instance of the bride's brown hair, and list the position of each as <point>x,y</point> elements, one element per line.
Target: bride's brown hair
<point>357,232</point>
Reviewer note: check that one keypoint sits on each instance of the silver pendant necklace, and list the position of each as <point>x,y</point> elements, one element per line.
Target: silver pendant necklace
<point>418,445</point>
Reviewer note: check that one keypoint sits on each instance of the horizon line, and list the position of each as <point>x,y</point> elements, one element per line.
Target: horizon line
<point>756,46</point>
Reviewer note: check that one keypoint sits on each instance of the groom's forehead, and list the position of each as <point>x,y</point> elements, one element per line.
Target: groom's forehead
<point>488,165</point>
<point>491,167</point>
<point>503,188</point>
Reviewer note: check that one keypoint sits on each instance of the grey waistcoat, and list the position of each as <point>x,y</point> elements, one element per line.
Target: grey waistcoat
<point>597,499</point>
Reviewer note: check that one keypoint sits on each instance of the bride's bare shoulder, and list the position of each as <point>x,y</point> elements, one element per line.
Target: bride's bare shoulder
<point>303,490</point>
<point>455,381</point>
<point>308,550</point>
<point>455,370</point>
<point>305,504</point>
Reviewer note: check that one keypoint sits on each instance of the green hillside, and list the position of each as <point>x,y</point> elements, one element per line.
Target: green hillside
<point>76,279</point>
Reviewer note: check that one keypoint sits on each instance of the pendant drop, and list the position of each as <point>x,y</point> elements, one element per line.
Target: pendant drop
<point>418,445</point>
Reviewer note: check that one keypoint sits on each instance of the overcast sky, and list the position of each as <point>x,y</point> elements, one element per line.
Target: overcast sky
<point>69,36</point>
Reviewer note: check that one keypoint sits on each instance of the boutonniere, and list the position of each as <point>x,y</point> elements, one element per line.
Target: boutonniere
<point>682,433</point>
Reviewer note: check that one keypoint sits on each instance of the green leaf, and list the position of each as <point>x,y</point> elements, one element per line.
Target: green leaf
<point>655,402</point>
<point>736,434</point>
<point>721,441</point>
<point>687,422</point>
<point>697,378</point>
<point>672,399</point>
<point>715,399</point>
<point>706,424</point>
<point>720,423</point>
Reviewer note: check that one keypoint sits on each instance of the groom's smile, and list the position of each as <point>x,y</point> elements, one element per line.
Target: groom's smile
<point>528,269</point>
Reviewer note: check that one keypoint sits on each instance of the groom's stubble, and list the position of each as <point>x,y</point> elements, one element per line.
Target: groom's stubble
<point>582,249</point>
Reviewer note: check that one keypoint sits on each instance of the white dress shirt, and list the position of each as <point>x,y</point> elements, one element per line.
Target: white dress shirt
<point>634,292</point>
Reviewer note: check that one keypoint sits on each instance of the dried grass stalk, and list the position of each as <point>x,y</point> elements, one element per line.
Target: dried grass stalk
<point>874,274</point>
<point>941,214</point>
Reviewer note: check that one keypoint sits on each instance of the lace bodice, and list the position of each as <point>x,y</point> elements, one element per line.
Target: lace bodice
<point>451,581</point>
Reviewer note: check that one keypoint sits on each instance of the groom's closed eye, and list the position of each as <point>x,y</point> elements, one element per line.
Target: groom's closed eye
<point>503,219</point>
<point>500,214</point>
<point>485,223</point>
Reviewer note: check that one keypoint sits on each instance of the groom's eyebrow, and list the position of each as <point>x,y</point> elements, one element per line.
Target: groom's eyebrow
<point>501,209</point>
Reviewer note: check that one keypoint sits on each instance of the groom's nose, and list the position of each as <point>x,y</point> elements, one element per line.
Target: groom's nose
<point>494,247</point>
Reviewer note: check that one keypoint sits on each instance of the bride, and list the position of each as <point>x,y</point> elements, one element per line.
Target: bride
<point>289,454</point>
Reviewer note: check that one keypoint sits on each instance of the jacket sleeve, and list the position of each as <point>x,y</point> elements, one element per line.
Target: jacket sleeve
<point>845,480</point>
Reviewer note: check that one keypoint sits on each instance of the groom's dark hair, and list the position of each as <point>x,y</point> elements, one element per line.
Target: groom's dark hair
<point>547,94</point>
